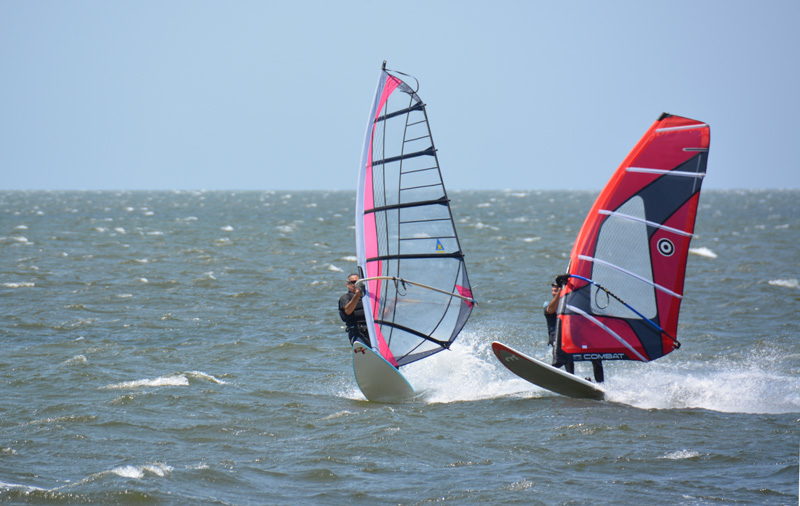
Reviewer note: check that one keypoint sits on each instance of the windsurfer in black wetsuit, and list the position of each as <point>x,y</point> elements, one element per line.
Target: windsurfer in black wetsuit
<point>351,311</point>
<point>560,357</point>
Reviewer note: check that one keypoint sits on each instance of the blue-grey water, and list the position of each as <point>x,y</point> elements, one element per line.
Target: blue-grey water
<point>184,347</point>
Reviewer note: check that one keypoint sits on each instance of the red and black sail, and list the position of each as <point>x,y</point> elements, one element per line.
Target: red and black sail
<point>628,263</point>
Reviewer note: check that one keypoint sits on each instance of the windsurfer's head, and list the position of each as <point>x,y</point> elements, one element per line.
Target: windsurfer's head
<point>351,282</point>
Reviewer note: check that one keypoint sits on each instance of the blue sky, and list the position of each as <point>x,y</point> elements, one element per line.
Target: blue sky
<point>274,95</point>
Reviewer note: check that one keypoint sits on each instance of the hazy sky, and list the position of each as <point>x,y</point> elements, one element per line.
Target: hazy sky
<point>275,95</point>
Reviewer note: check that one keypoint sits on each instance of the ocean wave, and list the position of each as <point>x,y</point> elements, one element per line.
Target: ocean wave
<point>681,455</point>
<point>173,380</point>
<point>206,377</point>
<point>21,284</point>
<point>77,359</point>
<point>178,380</point>
<point>138,472</point>
<point>703,252</point>
<point>785,283</point>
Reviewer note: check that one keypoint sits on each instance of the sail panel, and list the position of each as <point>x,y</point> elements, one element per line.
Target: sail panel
<point>634,243</point>
<point>405,229</point>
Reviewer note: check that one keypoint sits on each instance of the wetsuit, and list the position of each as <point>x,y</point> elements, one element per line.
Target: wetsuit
<point>562,358</point>
<point>559,357</point>
<point>355,322</point>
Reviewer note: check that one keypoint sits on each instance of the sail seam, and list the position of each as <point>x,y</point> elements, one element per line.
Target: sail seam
<point>421,186</point>
<point>607,329</point>
<point>648,222</point>
<point>406,222</point>
<point>632,274</point>
<point>418,170</point>
<point>417,138</point>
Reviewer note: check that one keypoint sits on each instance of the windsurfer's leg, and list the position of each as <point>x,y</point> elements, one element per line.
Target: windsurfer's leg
<point>353,334</point>
<point>597,365</point>
<point>569,366</point>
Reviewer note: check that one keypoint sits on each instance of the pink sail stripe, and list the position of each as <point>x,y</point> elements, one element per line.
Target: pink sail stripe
<point>375,269</point>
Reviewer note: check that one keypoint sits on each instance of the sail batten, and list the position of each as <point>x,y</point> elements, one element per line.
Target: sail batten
<point>405,231</point>
<point>440,201</point>
<point>644,170</point>
<point>417,256</point>
<point>427,152</point>
<point>628,263</point>
<point>649,223</point>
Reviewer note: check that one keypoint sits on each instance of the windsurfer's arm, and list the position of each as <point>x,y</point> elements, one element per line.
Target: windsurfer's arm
<point>553,304</point>
<point>351,306</point>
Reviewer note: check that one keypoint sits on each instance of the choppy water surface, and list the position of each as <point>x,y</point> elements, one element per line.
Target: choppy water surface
<point>183,347</point>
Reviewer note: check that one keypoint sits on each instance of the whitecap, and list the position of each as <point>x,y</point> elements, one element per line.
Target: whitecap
<point>338,414</point>
<point>681,455</point>
<point>207,377</point>
<point>77,359</point>
<point>333,268</point>
<point>119,230</point>
<point>138,472</point>
<point>26,488</point>
<point>703,252</point>
<point>227,228</point>
<point>286,229</point>
<point>349,258</point>
<point>178,380</point>
<point>22,284</point>
<point>21,227</point>
<point>786,283</point>
<point>128,472</point>
<point>531,239</point>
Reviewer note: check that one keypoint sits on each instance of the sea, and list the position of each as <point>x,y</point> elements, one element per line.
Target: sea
<point>184,347</point>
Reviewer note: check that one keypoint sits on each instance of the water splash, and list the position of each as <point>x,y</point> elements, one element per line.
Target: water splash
<point>750,384</point>
<point>467,372</point>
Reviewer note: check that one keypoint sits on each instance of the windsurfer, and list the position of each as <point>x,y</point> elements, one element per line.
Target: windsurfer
<point>351,311</point>
<point>560,357</point>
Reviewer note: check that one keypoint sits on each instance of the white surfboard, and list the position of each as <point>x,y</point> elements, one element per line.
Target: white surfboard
<point>379,380</point>
<point>544,375</point>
